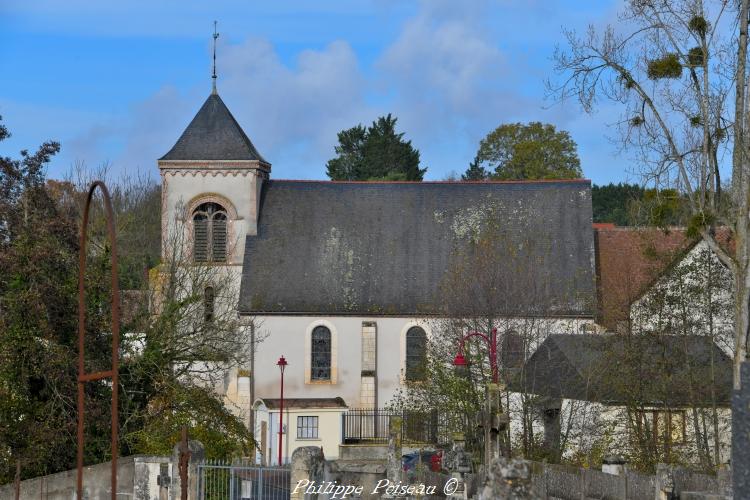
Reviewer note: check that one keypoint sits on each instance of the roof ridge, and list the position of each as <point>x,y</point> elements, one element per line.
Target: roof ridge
<point>531,181</point>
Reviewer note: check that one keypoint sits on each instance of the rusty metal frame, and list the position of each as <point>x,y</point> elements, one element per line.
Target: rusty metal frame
<point>84,377</point>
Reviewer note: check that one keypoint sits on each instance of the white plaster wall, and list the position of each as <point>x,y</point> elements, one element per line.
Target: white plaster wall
<point>285,335</point>
<point>586,425</point>
<point>240,187</point>
<point>693,271</point>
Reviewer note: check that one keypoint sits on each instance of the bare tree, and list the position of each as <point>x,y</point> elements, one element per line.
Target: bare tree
<point>674,66</point>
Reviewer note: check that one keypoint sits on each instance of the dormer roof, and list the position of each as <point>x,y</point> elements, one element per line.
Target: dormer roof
<point>213,134</point>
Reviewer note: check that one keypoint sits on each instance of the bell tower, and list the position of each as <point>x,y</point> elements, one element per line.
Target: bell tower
<point>213,167</point>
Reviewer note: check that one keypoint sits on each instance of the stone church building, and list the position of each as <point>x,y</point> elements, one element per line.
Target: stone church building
<point>345,279</point>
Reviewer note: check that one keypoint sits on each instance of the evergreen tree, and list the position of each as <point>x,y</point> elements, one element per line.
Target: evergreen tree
<point>475,172</point>
<point>377,152</point>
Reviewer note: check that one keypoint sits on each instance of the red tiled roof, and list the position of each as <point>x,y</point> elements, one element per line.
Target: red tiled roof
<point>629,259</point>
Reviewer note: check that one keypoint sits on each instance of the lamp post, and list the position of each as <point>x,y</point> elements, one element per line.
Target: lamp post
<point>491,341</point>
<point>281,363</point>
<point>492,425</point>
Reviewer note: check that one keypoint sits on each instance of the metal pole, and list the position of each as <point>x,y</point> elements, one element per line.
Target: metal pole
<point>84,377</point>
<point>281,417</point>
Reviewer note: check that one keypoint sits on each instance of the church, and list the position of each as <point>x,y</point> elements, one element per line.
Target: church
<point>346,279</point>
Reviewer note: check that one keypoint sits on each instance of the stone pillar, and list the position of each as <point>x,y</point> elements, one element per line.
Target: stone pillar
<point>308,465</point>
<point>741,435</point>
<point>508,479</point>
<point>196,456</point>
<point>394,465</point>
<point>664,482</point>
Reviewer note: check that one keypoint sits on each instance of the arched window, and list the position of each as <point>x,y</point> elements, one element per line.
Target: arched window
<point>512,351</point>
<point>208,304</point>
<point>320,354</point>
<point>210,233</point>
<point>416,353</point>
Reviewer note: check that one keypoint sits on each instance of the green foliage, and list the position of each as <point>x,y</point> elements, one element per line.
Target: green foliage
<point>636,121</point>
<point>696,121</point>
<point>610,202</point>
<point>536,150</point>
<point>475,172</point>
<point>377,152</point>
<point>665,67</point>
<point>699,25</point>
<point>695,57</point>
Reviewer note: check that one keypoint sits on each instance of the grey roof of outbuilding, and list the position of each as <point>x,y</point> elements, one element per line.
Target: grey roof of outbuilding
<point>658,370</point>
<point>379,248</point>
<point>213,134</point>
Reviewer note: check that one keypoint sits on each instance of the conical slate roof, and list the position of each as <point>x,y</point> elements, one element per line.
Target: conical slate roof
<point>213,134</point>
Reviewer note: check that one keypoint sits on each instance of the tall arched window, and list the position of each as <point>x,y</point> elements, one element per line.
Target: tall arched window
<point>210,233</point>
<point>208,304</point>
<point>416,353</point>
<point>320,354</point>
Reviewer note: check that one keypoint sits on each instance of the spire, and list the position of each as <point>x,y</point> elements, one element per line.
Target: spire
<point>213,76</point>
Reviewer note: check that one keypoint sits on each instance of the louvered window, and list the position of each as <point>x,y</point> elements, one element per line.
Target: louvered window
<point>416,353</point>
<point>320,353</point>
<point>210,233</point>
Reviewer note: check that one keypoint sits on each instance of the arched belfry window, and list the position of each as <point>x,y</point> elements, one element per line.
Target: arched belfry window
<point>416,353</point>
<point>320,354</point>
<point>210,233</point>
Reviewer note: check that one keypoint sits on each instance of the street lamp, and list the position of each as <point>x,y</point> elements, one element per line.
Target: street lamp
<point>491,425</point>
<point>281,363</point>
<point>460,361</point>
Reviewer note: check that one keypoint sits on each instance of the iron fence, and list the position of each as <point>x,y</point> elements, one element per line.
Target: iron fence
<point>219,480</point>
<point>373,426</point>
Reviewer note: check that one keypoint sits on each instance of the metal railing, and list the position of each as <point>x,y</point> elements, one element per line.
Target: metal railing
<point>241,480</point>
<point>373,426</point>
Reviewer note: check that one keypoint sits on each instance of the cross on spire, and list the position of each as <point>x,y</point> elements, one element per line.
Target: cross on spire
<point>213,76</point>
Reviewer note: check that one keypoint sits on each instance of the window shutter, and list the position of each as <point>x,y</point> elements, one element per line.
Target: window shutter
<point>200,236</point>
<point>219,240</point>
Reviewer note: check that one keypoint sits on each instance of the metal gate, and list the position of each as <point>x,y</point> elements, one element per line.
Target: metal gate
<point>218,480</point>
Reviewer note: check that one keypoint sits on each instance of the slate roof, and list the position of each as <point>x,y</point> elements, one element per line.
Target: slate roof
<point>213,134</point>
<point>616,369</point>
<point>377,248</point>
<point>304,403</point>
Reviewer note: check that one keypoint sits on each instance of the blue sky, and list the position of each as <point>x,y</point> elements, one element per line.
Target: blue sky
<point>117,82</point>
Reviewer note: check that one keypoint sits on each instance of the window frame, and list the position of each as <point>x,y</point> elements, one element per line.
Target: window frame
<point>216,219</point>
<point>313,354</point>
<point>412,373</point>
<point>310,420</point>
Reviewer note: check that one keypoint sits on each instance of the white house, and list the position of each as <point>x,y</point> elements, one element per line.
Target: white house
<point>343,278</point>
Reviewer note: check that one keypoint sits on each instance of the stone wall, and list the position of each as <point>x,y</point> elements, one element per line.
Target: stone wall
<point>136,479</point>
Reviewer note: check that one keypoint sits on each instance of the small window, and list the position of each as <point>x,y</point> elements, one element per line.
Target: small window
<point>307,427</point>
<point>210,233</point>
<point>208,304</point>
<point>320,354</point>
<point>416,353</point>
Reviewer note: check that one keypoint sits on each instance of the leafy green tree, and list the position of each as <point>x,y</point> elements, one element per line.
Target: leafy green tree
<point>377,152</point>
<point>610,202</point>
<point>531,151</point>
<point>475,172</point>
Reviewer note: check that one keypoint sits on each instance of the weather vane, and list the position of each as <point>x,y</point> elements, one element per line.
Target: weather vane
<point>213,76</point>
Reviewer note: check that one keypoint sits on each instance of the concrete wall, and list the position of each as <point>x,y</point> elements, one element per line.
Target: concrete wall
<point>136,479</point>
